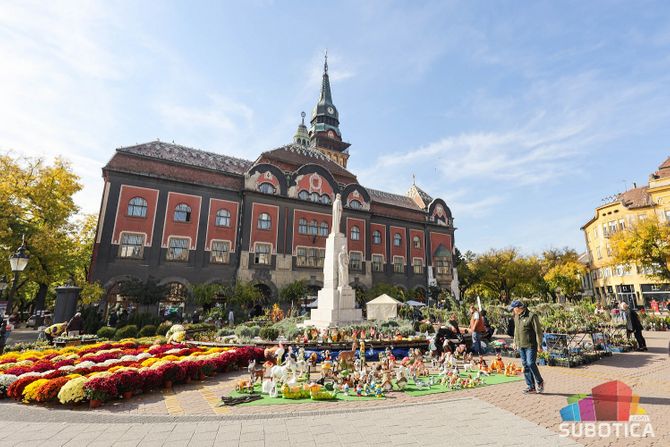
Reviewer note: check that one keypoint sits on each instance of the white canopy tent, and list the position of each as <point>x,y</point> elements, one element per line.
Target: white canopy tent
<point>383,307</point>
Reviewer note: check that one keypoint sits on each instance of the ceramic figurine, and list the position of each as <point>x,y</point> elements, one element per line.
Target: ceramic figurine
<point>345,389</point>
<point>359,390</point>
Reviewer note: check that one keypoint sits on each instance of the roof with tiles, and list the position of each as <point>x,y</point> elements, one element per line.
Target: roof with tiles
<point>663,170</point>
<point>176,153</point>
<point>392,199</point>
<point>635,198</point>
<point>301,155</point>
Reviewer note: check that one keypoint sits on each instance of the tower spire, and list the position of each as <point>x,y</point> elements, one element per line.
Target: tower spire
<point>325,97</point>
<point>325,62</point>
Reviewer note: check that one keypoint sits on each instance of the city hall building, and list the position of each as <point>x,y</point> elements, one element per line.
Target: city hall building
<point>185,216</point>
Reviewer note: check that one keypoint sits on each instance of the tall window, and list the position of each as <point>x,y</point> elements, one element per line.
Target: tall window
<point>182,213</point>
<point>222,218</point>
<point>132,245</point>
<point>267,188</point>
<point>417,266</point>
<point>355,260</point>
<point>323,229</point>
<point>313,227</point>
<point>137,207</point>
<point>310,257</point>
<point>355,233</point>
<point>177,249</point>
<point>262,254</point>
<point>398,264</point>
<point>220,252</point>
<point>376,237</point>
<point>302,226</point>
<point>355,204</point>
<point>377,263</point>
<point>442,266</point>
<point>314,197</point>
<point>416,241</point>
<point>264,221</point>
<point>397,239</point>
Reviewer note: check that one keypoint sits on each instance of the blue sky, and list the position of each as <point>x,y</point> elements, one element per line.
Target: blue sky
<point>521,115</point>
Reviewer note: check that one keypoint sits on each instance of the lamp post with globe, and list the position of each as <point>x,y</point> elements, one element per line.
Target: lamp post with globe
<point>18,262</point>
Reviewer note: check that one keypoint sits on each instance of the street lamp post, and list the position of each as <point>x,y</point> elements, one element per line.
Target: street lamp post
<point>18,262</point>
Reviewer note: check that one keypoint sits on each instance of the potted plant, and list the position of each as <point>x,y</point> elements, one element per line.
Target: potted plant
<point>99,390</point>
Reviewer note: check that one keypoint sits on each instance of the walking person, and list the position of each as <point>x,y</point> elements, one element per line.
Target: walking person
<point>477,329</point>
<point>633,325</point>
<point>528,340</point>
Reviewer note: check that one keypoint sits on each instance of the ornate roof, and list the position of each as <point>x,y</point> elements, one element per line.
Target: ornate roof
<point>420,196</point>
<point>392,199</point>
<point>300,155</point>
<point>176,153</point>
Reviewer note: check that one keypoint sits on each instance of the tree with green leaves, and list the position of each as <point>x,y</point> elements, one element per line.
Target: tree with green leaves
<point>647,245</point>
<point>205,295</point>
<point>468,275</point>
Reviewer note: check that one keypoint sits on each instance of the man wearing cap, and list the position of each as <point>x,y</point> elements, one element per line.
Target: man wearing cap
<point>528,340</point>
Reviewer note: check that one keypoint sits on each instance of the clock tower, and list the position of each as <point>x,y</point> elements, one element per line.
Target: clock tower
<point>324,132</point>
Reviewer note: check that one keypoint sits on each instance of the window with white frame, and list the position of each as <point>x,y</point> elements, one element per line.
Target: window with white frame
<point>262,254</point>
<point>442,265</point>
<point>267,188</point>
<point>355,204</point>
<point>313,227</point>
<point>222,218</point>
<point>398,264</point>
<point>397,239</point>
<point>132,246</point>
<point>355,260</point>
<point>310,257</point>
<point>376,237</point>
<point>417,265</point>
<point>608,249</point>
<point>302,226</point>
<point>303,195</point>
<point>641,217</point>
<point>137,207</point>
<point>177,249</point>
<point>622,224</point>
<point>220,252</point>
<point>264,221</point>
<point>377,263</point>
<point>323,229</point>
<point>598,253</point>
<point>355,233</point>
<point>325,199</point>
<point>182,213</point>
<point>667,215</point>
<point>416,241</point>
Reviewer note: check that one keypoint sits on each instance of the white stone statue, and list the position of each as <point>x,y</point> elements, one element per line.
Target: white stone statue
<point>337,214</point>
<point>343,267</point>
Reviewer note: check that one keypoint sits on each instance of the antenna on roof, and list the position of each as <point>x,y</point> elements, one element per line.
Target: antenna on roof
<point>414,179</point>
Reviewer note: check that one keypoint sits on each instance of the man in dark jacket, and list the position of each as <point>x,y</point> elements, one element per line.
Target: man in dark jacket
<point>75,325</point>
<point>633,325</point>
<point>528,340</point>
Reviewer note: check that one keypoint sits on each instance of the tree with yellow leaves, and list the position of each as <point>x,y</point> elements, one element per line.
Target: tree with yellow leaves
<point>647,245</point>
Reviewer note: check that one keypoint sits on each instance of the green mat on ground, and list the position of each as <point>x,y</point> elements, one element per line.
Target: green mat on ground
<point>410,389</point>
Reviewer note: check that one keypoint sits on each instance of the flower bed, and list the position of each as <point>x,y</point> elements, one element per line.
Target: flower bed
<point>105,371</point>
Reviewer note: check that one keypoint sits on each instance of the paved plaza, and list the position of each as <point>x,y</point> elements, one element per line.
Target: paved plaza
<point>495,415</point>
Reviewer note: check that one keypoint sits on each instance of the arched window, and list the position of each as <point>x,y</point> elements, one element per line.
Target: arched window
<point>355,204</point>
<point>302,226</point>
<point>182,213</point>
<point>303,195</point>
<point>314,197</point>
<point>222,218</point>
<point>313,227</point>
<point>376,237</point>
<point>397,239</point>
<point>323,229</point>
<point>264,221</point>
<point>137,207</point>
<point>417,242</point>
<point>325,199</point>
<point>267,188</point>
<point>355,233</point>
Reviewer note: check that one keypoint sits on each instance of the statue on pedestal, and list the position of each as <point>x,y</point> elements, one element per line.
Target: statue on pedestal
<point>337,214</point>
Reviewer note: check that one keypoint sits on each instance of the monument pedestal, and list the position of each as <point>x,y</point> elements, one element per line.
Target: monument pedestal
<point>337,302</point>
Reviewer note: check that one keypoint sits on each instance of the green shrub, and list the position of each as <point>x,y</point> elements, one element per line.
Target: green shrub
<point>426,327</point>
<point>244,331</point>
<point>148,331</point>
<point>406,329</point>
<point>106,332</point>
<point>129,331</point>
<point>199,327</point>
<point>226,331</point>
<point>269,333</point>
<point>163,328</point>
<point>143,319</point>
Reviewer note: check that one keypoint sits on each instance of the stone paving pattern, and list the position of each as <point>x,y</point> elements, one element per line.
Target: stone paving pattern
<point>472,416</point>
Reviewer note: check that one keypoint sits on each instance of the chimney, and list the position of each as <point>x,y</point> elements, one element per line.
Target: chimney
<point>634,185</point>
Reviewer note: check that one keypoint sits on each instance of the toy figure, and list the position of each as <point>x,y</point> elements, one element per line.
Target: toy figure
<point>313,358</point>
<point>359,390</point>
<point>361,351</point>
<point>498,365</point>
<point>256,372</point>
<point>345,389</point>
